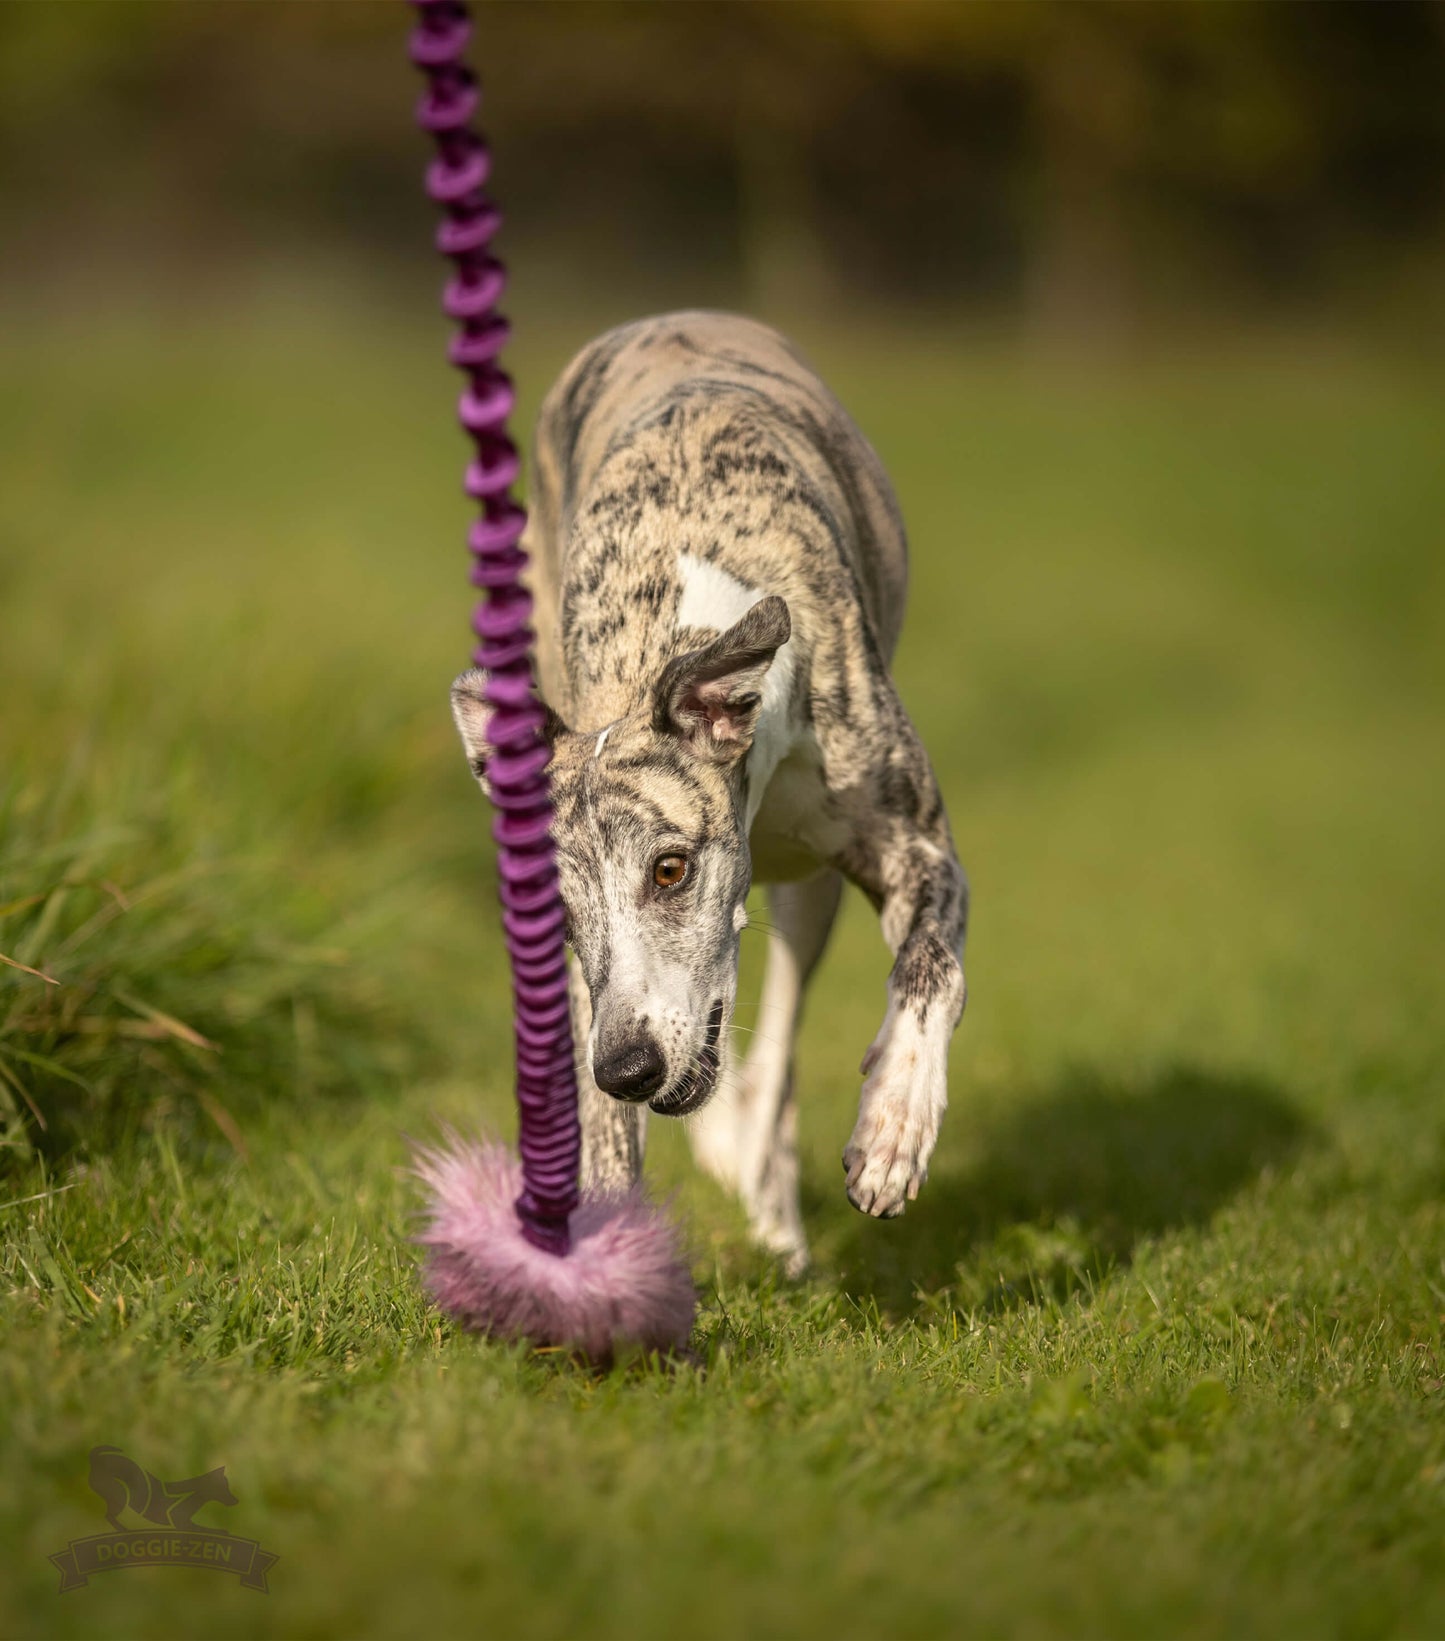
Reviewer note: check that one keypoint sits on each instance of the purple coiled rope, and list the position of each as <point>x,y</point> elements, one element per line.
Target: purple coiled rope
<point>549,1136</point>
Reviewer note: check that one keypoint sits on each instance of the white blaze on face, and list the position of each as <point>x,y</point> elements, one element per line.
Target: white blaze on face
<point>714,597</point>
<point>642,983</point>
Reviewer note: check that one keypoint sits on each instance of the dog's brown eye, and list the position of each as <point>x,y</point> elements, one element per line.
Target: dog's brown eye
<point>670,871</point>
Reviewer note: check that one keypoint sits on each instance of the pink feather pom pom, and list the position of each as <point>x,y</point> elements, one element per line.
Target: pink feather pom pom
<point>624,1280</point>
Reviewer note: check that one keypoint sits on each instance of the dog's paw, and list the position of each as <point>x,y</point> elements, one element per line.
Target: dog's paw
<point>886,1164</point>
<point>886,1161</point>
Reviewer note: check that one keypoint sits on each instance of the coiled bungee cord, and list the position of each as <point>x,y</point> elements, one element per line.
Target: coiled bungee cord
<point>549,1136</point>
<point>535,1262</point>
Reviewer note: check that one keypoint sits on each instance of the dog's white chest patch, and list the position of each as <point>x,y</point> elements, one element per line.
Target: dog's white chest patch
<point>711,596</point>
<point>714,597</point>
<point>792,828</point>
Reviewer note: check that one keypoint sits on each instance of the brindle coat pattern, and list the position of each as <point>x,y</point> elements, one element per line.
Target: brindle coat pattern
<point>720,569</point>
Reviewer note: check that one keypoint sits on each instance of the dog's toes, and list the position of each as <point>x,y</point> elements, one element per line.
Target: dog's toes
<point>877,1204</point>
<point>873,1188</point>
<point>883,1177</point>
<point>854,1161</point>
<point>861,1200</point>
<point>886,1203</point>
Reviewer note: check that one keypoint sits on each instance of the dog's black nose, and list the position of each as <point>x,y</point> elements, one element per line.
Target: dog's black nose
<point>633,1070</point>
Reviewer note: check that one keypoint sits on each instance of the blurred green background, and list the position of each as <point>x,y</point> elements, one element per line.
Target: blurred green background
<point>1064,169</point>
<point>1142,306</point>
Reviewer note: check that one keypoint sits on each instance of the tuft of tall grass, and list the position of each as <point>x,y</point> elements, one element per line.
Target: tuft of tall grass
<point>150,970</point>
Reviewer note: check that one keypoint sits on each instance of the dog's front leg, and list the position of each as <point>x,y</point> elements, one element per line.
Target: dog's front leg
<point>613,1133</point>
<point>907,867</point>
<point>748,1136</point>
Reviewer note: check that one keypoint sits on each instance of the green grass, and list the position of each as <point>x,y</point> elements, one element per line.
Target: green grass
<point>1158,1351</point>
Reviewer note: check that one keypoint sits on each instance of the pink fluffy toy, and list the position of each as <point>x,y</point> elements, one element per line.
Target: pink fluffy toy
<point>513,1248</point>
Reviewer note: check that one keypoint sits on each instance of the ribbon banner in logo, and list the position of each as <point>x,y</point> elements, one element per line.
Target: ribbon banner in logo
<point>164,1547</point>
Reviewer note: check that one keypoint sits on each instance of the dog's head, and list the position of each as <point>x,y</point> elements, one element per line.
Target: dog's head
<point>652,853</point>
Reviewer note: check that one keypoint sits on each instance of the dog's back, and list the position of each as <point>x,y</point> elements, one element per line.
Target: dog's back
<point>702,442</point>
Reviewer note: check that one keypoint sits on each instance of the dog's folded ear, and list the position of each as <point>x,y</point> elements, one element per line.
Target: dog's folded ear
<point>471,711</point>
<point>711,697</point>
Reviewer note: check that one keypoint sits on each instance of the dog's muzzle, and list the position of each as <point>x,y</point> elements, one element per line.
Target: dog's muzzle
<point>696,1085</point>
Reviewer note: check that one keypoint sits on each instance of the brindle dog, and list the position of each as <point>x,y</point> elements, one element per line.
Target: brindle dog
<point>719,569</point>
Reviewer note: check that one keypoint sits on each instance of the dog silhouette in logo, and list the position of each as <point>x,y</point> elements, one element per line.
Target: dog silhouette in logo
<point>122,1484</point>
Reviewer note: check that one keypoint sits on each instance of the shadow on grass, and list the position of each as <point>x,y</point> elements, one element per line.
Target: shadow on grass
<point>1067,1182</point>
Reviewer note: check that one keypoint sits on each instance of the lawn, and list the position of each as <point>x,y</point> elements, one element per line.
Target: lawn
<point>1158,1350</point>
